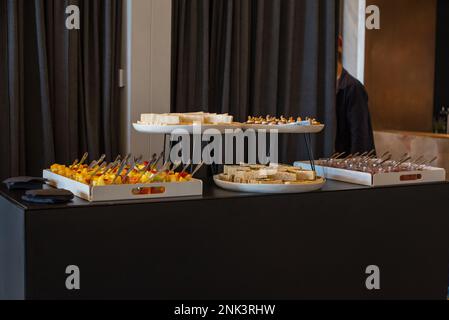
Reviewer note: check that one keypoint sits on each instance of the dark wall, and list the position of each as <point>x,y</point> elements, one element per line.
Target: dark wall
<point>442,57</point>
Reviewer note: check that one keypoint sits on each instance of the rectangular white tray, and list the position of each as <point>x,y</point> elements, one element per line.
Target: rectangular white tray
<point>124,192</point>
<point>428,175</point>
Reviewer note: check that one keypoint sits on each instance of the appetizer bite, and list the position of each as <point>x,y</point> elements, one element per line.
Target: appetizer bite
<point>274,121</point>
<point>100,173</point>
<point>172,119</point>
<point>272,174</point>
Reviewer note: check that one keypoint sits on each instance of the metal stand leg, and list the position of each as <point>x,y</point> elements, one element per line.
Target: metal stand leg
<point>308,141</point>
<point>165,148</point>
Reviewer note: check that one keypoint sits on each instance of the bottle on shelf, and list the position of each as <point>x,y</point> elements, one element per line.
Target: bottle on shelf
<point>441,125</point>
<point>447,120</point>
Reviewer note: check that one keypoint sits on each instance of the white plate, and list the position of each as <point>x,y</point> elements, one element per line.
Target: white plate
<point>153,129</point>
<point>270,188</point>
<point>286,128</point>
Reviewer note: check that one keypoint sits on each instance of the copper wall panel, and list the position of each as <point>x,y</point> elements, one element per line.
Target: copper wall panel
<point>415,144</point>
<point>400,65</point>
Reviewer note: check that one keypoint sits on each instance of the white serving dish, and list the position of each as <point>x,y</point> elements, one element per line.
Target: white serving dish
<point>124,192</point>
<point>286,128</point>
<point>428,175</point>
<point>169,129</point>
<point>269,188</point>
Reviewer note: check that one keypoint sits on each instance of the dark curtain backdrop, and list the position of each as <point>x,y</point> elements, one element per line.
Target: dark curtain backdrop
<point>258,57</point>
<point>58,91</point>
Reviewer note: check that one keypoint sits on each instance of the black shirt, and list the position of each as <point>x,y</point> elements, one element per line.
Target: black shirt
<point>354,128</point>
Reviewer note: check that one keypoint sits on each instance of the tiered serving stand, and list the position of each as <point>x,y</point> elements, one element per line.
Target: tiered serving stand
<point>305,130</point>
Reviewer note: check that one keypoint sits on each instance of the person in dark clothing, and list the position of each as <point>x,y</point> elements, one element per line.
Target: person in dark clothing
<point>354,128</point>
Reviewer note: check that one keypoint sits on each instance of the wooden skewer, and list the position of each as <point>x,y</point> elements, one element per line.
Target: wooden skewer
<point>176,165</point>
<point>83,159</point>
<point>402,162</point>
<point>122,167</point>
<point>96,171</point>
<point>157,160</point>
<point>97,163</point>
<point>74,164</point>
<point>143,171</point>
<point>131,169</point>
<point>198,167</point>
<point>432,161</point>
<point>185,168</point>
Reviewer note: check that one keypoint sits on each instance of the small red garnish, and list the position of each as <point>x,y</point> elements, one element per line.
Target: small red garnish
<point>183,174</point>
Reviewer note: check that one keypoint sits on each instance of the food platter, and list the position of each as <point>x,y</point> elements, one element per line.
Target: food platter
<point>170,129</point>
<point>308,186</point>
<point>273,178</point>
<point>374,172</point>
<point>285,128</point>
<point>125,178</point>
<point>139,191</point>
<point>199,122</point>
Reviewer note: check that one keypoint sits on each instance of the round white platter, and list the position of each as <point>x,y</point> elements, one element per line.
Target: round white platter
<point>288,128</point>
<point>270,188</point>
<point>171,129</point>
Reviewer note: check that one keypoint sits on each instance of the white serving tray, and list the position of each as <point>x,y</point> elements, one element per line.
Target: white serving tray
<point>153,129</point>
<point>428,175</point>
<point>288,128</point>
<point>269,188</point>
<point>124,192</point>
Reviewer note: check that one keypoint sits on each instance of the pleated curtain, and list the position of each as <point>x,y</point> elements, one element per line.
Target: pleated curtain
<point>258,57</point>
<point>59,94</point>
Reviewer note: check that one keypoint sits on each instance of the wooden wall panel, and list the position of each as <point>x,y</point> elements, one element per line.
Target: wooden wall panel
<point>400,65</point>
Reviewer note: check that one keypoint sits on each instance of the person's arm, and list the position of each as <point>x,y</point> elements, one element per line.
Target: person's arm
<point>359,120</point>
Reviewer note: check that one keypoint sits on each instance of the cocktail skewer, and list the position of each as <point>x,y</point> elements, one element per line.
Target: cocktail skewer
<point>382,161</point>
<point>131,169</point>
<point>83,159</point>
<point>144,171</point>
<point>138,159</point>
<point>97,162</point>
<point>363,154</point>
<point>402,162</point>
<point>184,170</point>
<point>153,158</point>
<point>74,164</point>
<point>124,163</point>
<point>406,155</point>
<point>111,166</point>
<point>157,161</point>
<point>432,161</point>
<point>176,166</point>
<point>198,167</point>
<point>339,155</point>
<point>117,159</point>
<point>371,154</point>
<point>418,160</point>
<point>385,155</point>
<point>96,171</point>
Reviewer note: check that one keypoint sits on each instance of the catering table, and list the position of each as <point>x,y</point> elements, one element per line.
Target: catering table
<point>227,245</point>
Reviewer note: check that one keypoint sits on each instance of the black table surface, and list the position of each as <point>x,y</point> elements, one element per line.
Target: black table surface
<point>253,246</point>
<point>210,192</point>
